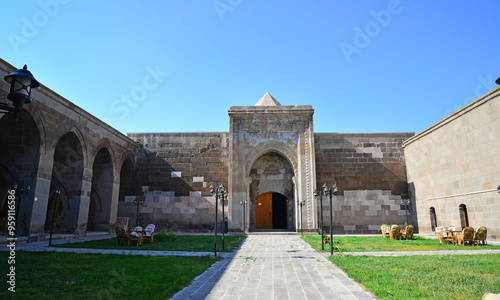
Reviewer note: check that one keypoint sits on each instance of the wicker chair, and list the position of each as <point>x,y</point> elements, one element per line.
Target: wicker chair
<point>149,233</point>
<point>135,238</point>
<point>408,233</point>
<point>121,236</point>
<point>466,236</point>
<point>481,235</point>
<point>395,232</point>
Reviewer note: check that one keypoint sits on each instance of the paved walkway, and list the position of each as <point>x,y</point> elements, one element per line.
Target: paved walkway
<point>274,267</point>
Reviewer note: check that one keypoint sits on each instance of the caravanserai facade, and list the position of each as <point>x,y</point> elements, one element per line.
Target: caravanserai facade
<point>270,161</point>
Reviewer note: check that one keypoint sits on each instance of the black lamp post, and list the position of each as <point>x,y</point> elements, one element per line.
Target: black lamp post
<point>244,204</point>
<point>221,190</point>
<point>406,203</point>
<point>330,191</point>
<point>57,191</point>
<point>19,192</point>
<point>21,83</point>
<point>316,193</point>
<point>137,204</point>
<point>301,203</point>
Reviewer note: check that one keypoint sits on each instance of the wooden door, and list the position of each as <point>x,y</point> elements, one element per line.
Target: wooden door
<point>264,211</point>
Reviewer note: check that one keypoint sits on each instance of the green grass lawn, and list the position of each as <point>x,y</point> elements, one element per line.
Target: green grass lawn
<point>416,277</point>
<point>424,277</point>
<point>197,243</point>
<point>51,275</point>
<point>379,243</point>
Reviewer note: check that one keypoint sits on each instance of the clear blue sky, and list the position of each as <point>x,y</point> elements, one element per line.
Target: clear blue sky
<point>176,66</point>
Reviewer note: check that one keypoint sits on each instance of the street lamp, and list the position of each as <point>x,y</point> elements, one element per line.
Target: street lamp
<point>21,83</point>
<point>406,203</point>
<point>57,191</point>
<point>19,190</point>
<point>330,191</point>
<point>220,191</point>
<point>137,204</point>
<point>244,204</point>
<point>301,203</point>
<point>316,193</point>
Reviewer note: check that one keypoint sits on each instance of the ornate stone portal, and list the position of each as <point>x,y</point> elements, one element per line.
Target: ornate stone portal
<point>272,153</point>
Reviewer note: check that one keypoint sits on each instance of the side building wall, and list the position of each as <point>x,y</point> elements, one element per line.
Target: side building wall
<point>173,176</point>
<point>454,166</point>
<point>369,170</point>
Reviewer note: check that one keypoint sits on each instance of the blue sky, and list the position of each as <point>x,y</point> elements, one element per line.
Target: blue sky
<point>178,66</point>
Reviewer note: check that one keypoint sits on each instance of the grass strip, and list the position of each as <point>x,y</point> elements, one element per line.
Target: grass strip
<point>50,275</point>
<point>195,243</point>
<point>424,277</point>
<point>379,243</point>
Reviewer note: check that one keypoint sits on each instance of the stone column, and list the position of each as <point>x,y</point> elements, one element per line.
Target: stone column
<point>41,189</point>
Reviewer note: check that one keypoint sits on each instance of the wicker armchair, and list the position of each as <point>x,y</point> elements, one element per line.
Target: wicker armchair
<point>135,238</point>
<point>408,233</point>
<point>121,236</point>
<point>395,232</point>
<point>466,236</point>
<point>481,235</point>
<point>149,233</point>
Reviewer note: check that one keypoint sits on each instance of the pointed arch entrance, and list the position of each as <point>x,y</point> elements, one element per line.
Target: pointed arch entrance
<point>272,193</point>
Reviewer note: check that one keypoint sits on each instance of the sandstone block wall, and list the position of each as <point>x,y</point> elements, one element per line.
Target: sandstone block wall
<point>457,162</point>
<point>369,169</point>
<point>173,175</point>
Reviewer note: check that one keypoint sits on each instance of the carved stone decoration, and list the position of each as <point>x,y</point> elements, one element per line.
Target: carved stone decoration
<point>271,144</point>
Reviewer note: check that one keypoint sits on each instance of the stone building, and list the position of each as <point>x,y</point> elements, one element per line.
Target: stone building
<point>56,144</point>
<point>454,168</point>
<point>270,161</point>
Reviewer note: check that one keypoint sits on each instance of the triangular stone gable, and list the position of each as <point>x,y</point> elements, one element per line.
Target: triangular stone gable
<point>267,100</point>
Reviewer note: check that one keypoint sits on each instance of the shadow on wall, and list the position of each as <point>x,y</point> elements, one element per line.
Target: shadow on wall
<point>168,200</point>
<point>370,171</point>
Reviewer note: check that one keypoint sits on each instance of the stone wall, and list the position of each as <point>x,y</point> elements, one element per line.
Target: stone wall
<point>173,176</point>
<point>456,163</point>
<point>369,170</point>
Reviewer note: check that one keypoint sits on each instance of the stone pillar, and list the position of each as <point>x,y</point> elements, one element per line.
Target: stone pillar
<point>41,189</point>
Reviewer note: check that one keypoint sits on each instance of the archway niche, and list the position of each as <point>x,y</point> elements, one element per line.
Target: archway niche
<point>126,180</point>
<point>67,174</point>
<point>19,156</point>
<point>102,190</point>
<point>272,193</point>
<point>464,218</point>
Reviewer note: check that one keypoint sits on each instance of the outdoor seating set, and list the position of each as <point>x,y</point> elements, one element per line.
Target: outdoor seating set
<point>136,236</point>
<point>397,233</point>
<point>461,237</point>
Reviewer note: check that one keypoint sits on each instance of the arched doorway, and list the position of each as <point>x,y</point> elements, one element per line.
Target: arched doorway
<point>272,193</point>
<point>271,211</point>
<point>67,175</point>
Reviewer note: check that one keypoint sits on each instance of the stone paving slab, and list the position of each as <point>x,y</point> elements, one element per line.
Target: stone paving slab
<point>274,267</point>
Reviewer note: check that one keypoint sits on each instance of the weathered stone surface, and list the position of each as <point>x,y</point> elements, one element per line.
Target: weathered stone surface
<point>456,162</point>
